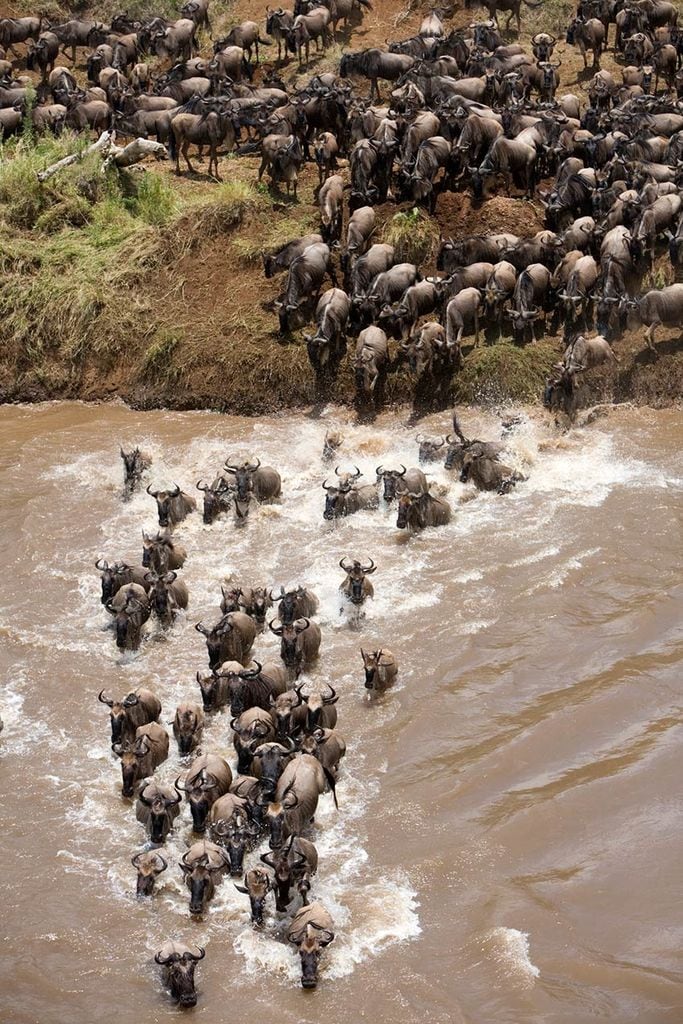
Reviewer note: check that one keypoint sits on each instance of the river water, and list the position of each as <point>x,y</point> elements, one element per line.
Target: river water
<point>508,844</point>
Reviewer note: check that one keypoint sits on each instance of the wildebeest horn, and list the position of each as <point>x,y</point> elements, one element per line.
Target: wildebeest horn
<point>164,863</point>
<point>378,470</point>
<point>251,673</point>
<point>135,860</point>
<point>371,567</point>
<point>307,621</point>
<point>163,960</point>
<point>297,691</point>
<point>109,703</point>
<point>403,468</point>
<point>333,698</point>
<point>195,956</point>
<point>151,493</point>
<point>276,629</point>
<point>209,781</point>
<point>199,487</point>
<point>176,492</point>
<point>267,858</point>
<point>178,787</point>
<point>201,628</point>
<point>357,473</point>
<point>252,468</point>
<point>336,471</point>
<point>345,567</point>
<point>101,564</point>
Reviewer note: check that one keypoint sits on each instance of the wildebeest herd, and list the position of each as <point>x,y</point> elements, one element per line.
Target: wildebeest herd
<point>287,747</point>
<point>466,110</point>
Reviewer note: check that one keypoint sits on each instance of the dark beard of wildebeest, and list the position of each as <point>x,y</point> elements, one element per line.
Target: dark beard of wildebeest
<point>172,506</point>
<point>161,553</point>
<point>179,963</point>
<point>167,594</point>
<point>140,757</point>
<point>138,708</point>
<point>253,727</point>
<point>237,838</point>
<point>356,587</point>
<point>298,644</point>
<point>268,763</point>
<point>130,615</point>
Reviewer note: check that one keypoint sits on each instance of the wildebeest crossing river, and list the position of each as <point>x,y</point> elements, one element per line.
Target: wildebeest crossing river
<point>508,841</point>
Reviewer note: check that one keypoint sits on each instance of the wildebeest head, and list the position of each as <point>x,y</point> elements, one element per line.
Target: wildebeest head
<point>454,452</point>
<point>148,865</point>
<point>523,322</point>
<point>239,684</point>
<point>371,663</point>
<point>335,495</point>
<point>429,448</point>
<point>288,867</point>
<point>256,887</point>
<point>282,707</point>
<point>200,791</point>
<point>272,759</point>
<point>235,837</point>
<point>332,442</point>
<point>408,506</point>
<point>128,623</point>
<point>161,816</point>
<point>289,603</point>
<point>315,702</point>
<point>180,968</point>
<point>200,878</point>
<point>260,603</point>
<point>209,685</point>
<point>159,593</point>
<point>118,710</point>
<point>355,579</point>
<point>243,473</point>
<point>163,500</point>
<point>112,577</point>
<point>390,479</point>
<point>291,650</point>
<point>131,755</point>
<point>216,499</point>
<point>215,639</point>
<point>365,371</point>
<point>310,942</point>
<point>276,819</point>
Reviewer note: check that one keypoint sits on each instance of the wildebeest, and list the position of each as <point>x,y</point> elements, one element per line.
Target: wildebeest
<point>167,594</point>
<point>488,474</point>
<point>188,725</point>
<point>179,962</point>
<point>131,609</point>
<point>149,865</point>
<point>416,511</point>
<point>327,347</point>
<point>381,669</point>
<point>172,506</point>
<point>157,807</point>
<point>328,746</point>
<point>396,480</point>
<point>140,757</point>
<point>299,644</point>
<point>370,363</point>
<point>296,798</point>
<point>311,930</point>
<point>292,866</point>
<point>135,464</point>
<point>253,727</point>
<point>207,778</point>
<point>253,480</point>
<point>118,575</point>
<point>295,603</point>
<point>162,553</point>
<point>659,307</point>
<point>356,587</point>
<point>231,639</point>
<point>346,498</point>
<point>430,448</point>
<point>584,353</point>
<point>203,866</point>
<point>375,64</point>
<point>139,707</point>
<point>256,887</point>
<point>252,687</point>
<point>217,498</point>
<point>304,281</point>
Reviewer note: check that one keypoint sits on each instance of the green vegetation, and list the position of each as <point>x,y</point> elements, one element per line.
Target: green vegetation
<point>414,236</point>
<point>504,373</point>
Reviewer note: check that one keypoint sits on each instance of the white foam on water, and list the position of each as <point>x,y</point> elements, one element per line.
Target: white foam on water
<point>509,950</point>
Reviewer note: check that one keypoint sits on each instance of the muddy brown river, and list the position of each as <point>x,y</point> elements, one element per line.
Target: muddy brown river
<point>510,836</point>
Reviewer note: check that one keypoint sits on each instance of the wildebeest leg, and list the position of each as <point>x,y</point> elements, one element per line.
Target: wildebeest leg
<point>264,164</point>
<point>200,154</point>
<point>185,147</point>
<point>476,328</point>
<point>213,160</point>
<point>650,336</point>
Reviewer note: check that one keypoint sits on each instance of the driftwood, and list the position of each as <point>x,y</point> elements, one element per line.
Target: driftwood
<point>113,154</point>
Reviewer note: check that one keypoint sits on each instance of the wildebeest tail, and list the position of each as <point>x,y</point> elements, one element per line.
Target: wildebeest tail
<point>172,143</point>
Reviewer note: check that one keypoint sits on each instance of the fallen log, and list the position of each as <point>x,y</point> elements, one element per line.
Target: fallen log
<point>114,155</point>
